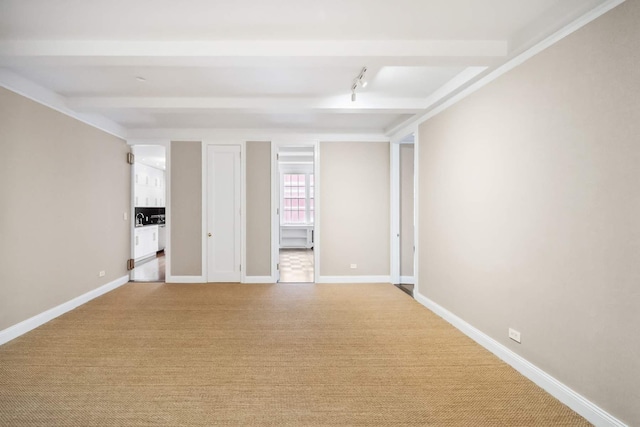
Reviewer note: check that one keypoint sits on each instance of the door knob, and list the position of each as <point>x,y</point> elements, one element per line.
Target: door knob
<point>209,234</point>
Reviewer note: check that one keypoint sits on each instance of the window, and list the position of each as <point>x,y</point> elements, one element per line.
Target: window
<point>298,198</point>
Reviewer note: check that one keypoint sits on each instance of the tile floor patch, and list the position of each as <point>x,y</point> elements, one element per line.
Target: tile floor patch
<point>296,265</point>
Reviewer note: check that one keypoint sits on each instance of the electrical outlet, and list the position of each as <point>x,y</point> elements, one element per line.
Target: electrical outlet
<point>125,216</point>
<point>101,273</point>
<point>514,335</point>
<point>354,266</point>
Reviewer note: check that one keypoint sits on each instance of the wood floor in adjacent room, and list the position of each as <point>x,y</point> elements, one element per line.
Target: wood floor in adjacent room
<point>150,270</point>
<point>271,355</point>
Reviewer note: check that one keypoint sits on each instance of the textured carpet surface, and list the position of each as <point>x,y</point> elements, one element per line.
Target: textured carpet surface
<point>270,355</point>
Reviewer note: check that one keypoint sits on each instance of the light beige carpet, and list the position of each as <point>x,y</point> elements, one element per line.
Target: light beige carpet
<point>270,355</point>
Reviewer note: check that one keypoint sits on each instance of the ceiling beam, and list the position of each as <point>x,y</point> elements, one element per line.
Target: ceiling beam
<point>257,48</point>
<point>296,62</point>
<point>366,103</point>
<point>282,135</point>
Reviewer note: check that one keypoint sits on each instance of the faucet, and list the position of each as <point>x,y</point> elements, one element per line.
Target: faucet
<point>139,218</point>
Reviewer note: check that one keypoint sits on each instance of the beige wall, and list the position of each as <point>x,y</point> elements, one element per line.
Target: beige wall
<point>64,187</point>
<point>258,209</point>
<point>354,208</point>
<point>406,209</point>
<point>186,208</point>
<point>530,210</point>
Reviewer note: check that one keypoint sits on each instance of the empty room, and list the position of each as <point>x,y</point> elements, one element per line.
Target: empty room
<point>312,213</point>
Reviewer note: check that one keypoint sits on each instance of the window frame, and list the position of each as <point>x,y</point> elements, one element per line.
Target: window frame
<point>301,169</point>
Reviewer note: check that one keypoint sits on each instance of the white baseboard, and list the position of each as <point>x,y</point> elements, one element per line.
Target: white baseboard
<point>185,279</point>
<point>593,413</point>
<point>407,280</point>
<point>258,279</point>
<point>354,279</point>
<point>25,326</point>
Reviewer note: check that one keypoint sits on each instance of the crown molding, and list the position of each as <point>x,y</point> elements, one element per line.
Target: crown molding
<point>18,84</point>
<point>512,63</point>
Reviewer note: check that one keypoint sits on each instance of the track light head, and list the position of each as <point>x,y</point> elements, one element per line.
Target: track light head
<point>359,81</point>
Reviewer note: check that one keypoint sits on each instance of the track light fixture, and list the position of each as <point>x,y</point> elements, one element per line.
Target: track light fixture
<point>358,81</point>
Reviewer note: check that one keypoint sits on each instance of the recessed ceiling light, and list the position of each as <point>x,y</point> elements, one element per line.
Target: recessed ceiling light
<point>141,79</point>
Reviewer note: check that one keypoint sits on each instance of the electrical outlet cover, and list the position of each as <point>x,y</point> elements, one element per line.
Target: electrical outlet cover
<point>514,335</point>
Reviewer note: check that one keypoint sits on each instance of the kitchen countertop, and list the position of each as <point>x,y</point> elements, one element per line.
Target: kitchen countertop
<point>149,225</point>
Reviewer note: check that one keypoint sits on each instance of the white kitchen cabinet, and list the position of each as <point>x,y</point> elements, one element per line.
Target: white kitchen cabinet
<point>157,187</point>
<point>149,188</point>
<point>145,241</point>
<point>162,237</point>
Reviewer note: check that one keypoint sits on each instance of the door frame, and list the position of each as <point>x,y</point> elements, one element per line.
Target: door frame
<point>395,215</point>
<point>167,202</point>
<point>275,204</point>
<point>205,205</point>
<point>395,212</point>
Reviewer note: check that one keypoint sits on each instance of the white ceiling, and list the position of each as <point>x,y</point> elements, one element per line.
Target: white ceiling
<point>150,155</point>
<point>85,81</point>
<point>273,19</point>
<point>255,64</point>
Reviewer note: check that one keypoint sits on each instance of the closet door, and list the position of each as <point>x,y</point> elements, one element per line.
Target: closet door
<point>223,213</point>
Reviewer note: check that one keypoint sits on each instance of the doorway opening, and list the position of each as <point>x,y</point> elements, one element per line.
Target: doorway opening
<point>296,228</point>
<point>148,216</point>
<point>403,157</point>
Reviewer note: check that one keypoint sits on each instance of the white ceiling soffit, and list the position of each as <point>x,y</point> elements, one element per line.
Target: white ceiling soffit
<point>152,66</point>
<point>296,155</point>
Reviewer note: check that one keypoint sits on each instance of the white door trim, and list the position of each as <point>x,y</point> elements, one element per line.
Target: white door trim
<point>394,148</point>
<point>275,204</point>
<point>416,205</point>
<point>167,196</point>
<point>316,212</point>
<point>396,202</point>
<point>132,215</point>
<point>243,207</point>
<point>275,216</point>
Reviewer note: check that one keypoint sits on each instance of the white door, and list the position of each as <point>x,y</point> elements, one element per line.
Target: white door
<point>223,213</point>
